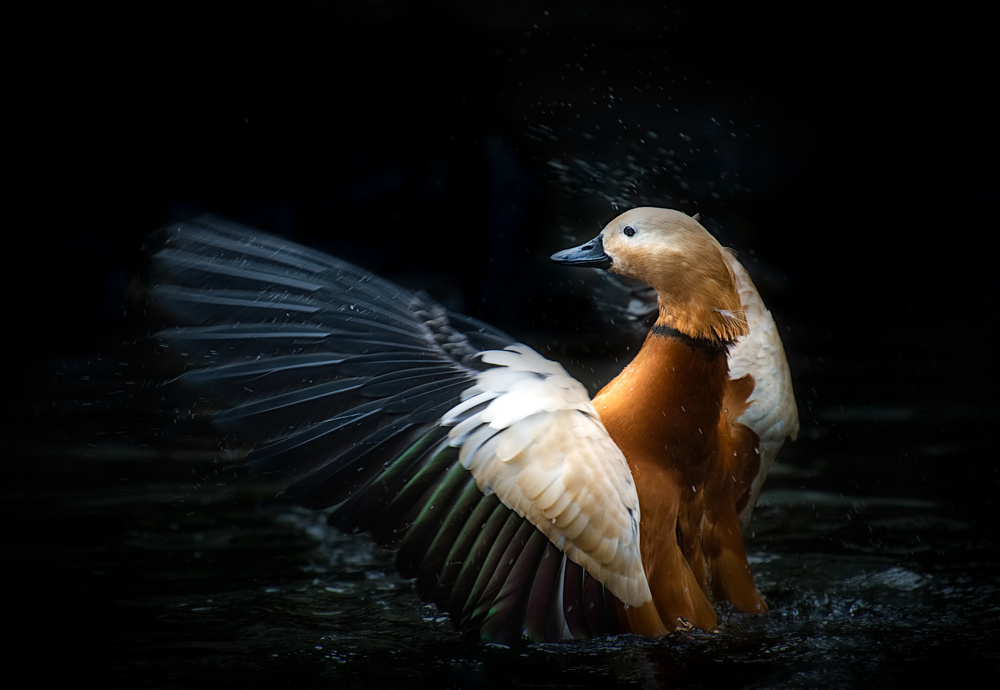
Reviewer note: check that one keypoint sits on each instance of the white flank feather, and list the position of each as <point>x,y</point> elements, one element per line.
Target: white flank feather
<point>772,413</point>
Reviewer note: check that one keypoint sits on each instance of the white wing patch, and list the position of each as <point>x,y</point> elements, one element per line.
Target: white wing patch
<point>772,413</point>
<point>528,433</point>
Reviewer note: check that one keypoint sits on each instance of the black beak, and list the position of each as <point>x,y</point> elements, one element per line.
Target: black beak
<point>588,254</point>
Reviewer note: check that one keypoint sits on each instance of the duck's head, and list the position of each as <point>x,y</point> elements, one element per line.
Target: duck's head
<point>678,257</point>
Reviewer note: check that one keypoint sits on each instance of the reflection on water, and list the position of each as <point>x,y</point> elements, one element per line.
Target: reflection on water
<point>165,573</point>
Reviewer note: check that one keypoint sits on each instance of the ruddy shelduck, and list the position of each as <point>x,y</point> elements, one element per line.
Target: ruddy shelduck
<point>520,505</point>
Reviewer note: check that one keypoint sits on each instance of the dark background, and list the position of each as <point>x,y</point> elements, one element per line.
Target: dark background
<point>849,156</point>
<point>852,153</point>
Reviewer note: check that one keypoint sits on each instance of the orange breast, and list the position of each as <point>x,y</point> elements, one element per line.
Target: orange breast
<point>672,412</point>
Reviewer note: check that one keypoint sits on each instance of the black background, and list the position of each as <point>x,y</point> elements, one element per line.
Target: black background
<point>851,152</point>
<point>849,157</point>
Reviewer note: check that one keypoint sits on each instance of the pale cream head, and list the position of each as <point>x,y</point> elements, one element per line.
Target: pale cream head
<point>678,257</point>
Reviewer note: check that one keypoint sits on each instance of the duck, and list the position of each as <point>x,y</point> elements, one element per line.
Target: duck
<point>520,505</point>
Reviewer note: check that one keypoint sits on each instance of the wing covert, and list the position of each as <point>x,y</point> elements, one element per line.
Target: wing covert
<point>529,433</point>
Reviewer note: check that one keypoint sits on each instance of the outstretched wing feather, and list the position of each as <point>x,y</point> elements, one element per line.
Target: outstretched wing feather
<point>480,461</point>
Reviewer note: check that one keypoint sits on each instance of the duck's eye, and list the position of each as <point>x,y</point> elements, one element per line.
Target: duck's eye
<point>629,231</point>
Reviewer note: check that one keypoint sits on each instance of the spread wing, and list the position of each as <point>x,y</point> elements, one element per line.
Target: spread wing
<point>483,464</point>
